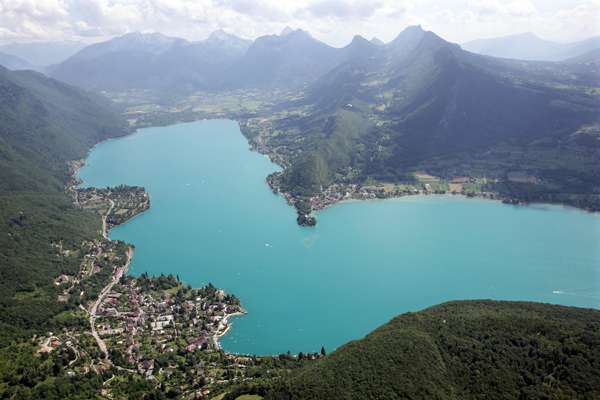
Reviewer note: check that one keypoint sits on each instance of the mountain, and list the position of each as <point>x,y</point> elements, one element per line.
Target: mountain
<point>225,41</point>
<point>527,46</point>
<point>44,123</point>
<point>43,53</point>
<point>359,47</point>
<point>291,59</point>
<point>151,61</point>
<point>13,62</point>
<point>377,41</point>
<point>129,61</point>
<point>592,57</point>
<point>460,350</point>
<point>422,103</point>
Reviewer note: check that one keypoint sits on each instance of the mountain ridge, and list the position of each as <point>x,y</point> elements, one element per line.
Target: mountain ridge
<point>528,46</point>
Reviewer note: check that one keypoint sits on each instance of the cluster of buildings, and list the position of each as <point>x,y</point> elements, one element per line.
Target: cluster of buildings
<point>142,323</point>
<point>123,202</point>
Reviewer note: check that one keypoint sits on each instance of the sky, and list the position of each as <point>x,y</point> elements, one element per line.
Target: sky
<point>333,21</point>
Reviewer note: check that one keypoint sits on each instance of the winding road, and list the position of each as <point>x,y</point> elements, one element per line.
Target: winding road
<point>115,278</point>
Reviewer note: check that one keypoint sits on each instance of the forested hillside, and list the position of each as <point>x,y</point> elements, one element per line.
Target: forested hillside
<point>43,124</point>
<point>462,350</point>
<point>420,103</point>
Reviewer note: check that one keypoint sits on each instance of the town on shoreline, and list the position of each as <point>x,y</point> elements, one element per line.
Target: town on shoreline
<point>261,121</point>
<point>153,329</point>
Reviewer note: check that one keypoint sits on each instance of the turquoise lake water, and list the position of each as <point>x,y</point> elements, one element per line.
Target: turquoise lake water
<point>213,218</point>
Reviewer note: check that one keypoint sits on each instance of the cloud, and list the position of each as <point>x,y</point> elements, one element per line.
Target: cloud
<point>334,21</point>
<point>586,16</point>
<point>262,9</point>
<point>515,8</point>
<point>344,8</point>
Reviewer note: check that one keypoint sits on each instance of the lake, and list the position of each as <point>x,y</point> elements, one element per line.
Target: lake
<point>214,219</point>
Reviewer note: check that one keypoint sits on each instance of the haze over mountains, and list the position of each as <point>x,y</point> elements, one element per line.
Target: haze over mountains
<point>528,46</point>
<point>152,61</point>
<point>223,61</point>
<point>372,110</point>
<point>42,54</point>
<point>13,62</point>
<point>38,116</point>
<point>422,103</point>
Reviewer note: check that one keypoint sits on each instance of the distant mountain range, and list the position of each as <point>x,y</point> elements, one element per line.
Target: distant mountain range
<point>528,46</point>
<point>152,61</point>
<point>222,61</point>
<point>42,54</point>
<point>292,58</point>
<point>13,62</point>
<point>422,103</point>
<point>379,111</point>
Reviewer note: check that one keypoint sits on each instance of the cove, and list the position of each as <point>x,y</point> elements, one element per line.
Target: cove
<point>214,219</point>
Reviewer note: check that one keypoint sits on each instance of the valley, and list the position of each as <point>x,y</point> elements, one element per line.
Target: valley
<point>401,116</point>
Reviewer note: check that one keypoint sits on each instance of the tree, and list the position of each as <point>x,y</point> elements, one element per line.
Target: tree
<point>323,352</point>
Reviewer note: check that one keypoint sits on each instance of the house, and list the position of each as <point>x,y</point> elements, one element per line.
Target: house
<point>198,344</point>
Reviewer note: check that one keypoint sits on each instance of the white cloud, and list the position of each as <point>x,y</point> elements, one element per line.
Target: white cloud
<point>343,9</point>
<point>494,8</point>
<point>334,21</point>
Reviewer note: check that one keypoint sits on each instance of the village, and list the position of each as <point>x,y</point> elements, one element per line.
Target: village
<point>117,205</point>
<point>144,317</point>
<point>155,331</point>
<point>424,184</point>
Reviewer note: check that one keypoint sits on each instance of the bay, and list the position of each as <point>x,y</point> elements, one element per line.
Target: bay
<point>214,219</point>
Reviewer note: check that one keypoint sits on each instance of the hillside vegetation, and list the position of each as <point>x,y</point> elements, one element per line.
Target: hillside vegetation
<point>43,124</point>
<point>420,103</point>
<point>462,350</point>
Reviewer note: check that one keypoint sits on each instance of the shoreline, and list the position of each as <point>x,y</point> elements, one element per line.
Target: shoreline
<point>71,188</point>
<point>537,205</point>
<point>218,335</point>
<point>280,163</point>
<point>370,195</point>
<point>228,317</point>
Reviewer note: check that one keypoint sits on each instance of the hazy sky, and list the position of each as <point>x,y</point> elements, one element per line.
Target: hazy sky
<point>334,21</point>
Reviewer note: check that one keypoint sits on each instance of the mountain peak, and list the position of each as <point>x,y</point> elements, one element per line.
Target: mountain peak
<point>137,35</point>
<point>222,37</point>
<point>358,39</point>
<point>414,28</point>
<point>522,35</point>
<point>409,37</point>
<point>286,31</point>
<point>377,41</point>
<point>413,37</point>
<point>219,35</point>
<point>294,33</point>
<point>152,39</point>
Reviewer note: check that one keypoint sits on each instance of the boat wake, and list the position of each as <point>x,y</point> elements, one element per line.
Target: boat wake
<point>589,293</point>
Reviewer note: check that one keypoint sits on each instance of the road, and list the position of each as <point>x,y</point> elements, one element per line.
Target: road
<point>104,227</point>
<point>115,278</point>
